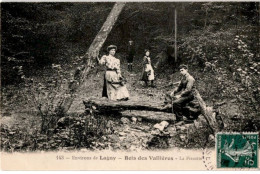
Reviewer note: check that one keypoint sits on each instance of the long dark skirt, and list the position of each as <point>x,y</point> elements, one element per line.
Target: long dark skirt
<point>104,92</point>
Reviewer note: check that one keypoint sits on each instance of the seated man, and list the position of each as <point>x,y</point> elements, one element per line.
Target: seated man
<point>183,94</point>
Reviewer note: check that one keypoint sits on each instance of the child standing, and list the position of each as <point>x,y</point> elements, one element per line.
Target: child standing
<point>148,72</point>
<point>131,54</point>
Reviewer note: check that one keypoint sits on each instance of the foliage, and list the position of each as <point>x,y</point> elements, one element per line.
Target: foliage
<point>39,51</point>
<point>54,34</point>
<point>82,131</point>
<point>46,95</point>
<point>248,76</point>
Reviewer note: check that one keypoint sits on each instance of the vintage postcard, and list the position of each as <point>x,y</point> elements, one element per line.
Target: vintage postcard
<point>130,85</point>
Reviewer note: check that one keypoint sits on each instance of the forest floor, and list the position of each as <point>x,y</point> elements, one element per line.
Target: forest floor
<point>129,135</point>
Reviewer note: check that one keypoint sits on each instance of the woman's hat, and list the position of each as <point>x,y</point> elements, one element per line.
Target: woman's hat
<point>111,47</point>
<point>183,66</point>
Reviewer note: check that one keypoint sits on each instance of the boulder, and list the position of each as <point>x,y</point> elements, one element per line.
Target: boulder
<point>172,130</point>
<point>211,138</point>
<point>155,132</point>
<point>161,126</point>
<point>125,120</point>
<point>134,119</point>
<point>109,124</point>
<point>139,119</point>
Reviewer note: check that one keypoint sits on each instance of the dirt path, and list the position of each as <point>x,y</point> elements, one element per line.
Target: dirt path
<point>93,87</point>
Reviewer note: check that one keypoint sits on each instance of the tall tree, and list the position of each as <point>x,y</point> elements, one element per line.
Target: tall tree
<point>175,34</point>
<point>82,72</point>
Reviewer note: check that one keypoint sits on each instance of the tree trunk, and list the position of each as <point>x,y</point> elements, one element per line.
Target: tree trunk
<point>105,105</point>
<point>205,21</point>
<point>175,26</point>
<point>82,72</point>
<point>207,113</point>
<point>170,19</point>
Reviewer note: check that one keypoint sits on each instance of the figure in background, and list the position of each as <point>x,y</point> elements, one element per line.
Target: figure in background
<point>114,87</point>
<point>131,54</point>
<point>148,72</point>
<point>182,95</point>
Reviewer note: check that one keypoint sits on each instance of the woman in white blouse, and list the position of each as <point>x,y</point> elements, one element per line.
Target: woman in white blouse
<point>114,88</point>
<point>148,72</point>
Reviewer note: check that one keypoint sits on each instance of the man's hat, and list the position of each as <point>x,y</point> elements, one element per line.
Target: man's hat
<point>111,47</point>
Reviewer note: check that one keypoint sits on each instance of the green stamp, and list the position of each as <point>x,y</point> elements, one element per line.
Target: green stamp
<point>237,150</point>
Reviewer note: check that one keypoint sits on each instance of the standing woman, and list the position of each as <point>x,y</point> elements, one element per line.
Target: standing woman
<point>114,87</point>
<point>148,72</point>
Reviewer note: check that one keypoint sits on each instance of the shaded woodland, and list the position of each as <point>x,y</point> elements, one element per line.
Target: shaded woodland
<point>43,47</point>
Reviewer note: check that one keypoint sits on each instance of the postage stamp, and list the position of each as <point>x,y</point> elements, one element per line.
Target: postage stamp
<point>237,150</point>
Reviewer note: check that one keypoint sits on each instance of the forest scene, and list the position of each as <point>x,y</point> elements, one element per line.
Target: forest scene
<point>51,79</point>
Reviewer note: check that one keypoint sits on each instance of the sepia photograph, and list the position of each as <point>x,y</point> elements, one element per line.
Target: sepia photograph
<point>130,85</point>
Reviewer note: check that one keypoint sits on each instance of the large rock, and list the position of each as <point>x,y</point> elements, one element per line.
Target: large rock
<point>125,120</point>
<point>155,132</point>
<point>161,126</point>
<point>110,124</point>
<point>134,119</point>
<point>172,130</point>
<point>211,139</point>
<point>139,119</point>
<point>181,128</point>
